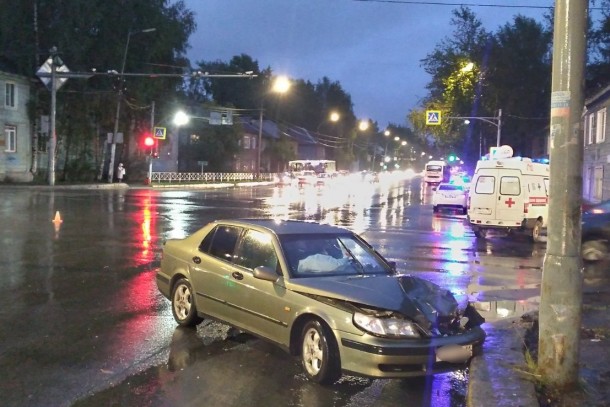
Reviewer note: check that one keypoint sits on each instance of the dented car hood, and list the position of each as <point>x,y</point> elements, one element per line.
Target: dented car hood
<point>408,295</point>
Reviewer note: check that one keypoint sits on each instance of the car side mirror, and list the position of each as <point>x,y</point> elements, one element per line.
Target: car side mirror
<point>265,273</point>
<point>392,265</point>
<point>434,188</point>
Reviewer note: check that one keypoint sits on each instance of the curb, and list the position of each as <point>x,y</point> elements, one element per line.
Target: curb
<point>495,377</point>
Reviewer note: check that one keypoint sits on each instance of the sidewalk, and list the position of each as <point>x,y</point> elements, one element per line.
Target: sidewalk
<point>496,377</point>
<point>140,185</point>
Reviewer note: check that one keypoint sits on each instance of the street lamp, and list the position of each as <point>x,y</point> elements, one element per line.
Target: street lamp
<point>281,84</point>
<point>181,118</point>
<point>118,103</point>
<point>333,117</point>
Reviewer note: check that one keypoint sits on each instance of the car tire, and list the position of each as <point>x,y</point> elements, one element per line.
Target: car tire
<point>435,209</point>
<point>480,232</point>
<point>319,353</point>
<point>183,304</point>
<point>536,231</point>
<point>594,250</point>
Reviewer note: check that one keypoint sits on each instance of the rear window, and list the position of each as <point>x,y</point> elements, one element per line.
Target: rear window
<point>450,187</point>
<point>485,185</point>
<point>510,186</point>
<point>433,168</point>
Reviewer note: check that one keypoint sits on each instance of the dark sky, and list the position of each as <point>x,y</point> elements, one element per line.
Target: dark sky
<point>373,48</point>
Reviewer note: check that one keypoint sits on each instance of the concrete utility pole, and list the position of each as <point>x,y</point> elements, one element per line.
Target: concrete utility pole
<point>561,292</point>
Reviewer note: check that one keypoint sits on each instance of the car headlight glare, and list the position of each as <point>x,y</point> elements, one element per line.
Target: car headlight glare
<point>388,327</point>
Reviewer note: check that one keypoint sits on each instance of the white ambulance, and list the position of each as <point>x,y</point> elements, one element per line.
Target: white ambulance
<point>510,194</point>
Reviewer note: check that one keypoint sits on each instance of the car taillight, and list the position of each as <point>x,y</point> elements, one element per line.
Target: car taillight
<point>526,207</point>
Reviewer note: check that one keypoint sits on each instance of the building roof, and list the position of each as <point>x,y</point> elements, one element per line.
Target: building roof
<point>300,135</point>
<point>251,125</point>
<point>600,96</point>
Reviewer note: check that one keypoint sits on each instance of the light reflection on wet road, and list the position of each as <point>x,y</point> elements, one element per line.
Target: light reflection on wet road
<point>86,315</point>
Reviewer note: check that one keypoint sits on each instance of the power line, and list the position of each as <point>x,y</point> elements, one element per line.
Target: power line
<point>439,3</point>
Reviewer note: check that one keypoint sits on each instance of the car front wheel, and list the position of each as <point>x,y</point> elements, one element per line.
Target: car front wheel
<point>183,304</point>
<point>594,250</point>
<point>319,353</point>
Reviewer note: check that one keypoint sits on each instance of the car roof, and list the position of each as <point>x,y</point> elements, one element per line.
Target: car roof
<point>286,227</point>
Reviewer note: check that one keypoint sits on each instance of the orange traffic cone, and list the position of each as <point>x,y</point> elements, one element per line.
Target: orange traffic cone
<point>57,219</point>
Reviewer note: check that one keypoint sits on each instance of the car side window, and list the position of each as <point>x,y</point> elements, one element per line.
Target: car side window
<point>223,242</point>
<point>205,244</point>
<point>256,249</point>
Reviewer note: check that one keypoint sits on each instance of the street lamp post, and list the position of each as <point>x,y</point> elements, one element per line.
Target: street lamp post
<point>280,85</point>
<point>118,103</point>
<point>495,121</point>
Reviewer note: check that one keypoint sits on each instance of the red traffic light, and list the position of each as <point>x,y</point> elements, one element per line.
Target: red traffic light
<point>149,141</point>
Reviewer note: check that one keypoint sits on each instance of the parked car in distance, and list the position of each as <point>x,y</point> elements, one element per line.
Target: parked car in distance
<point>323,179</point>
<point>321,293</point>
<point>307,177</point>
<point>596,232</point>
<point>450,196</point>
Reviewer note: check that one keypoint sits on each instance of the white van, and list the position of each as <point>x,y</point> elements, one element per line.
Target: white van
<point>510,194</point>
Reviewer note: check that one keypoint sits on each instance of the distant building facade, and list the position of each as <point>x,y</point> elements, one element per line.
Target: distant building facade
<point>596,157</point>
<point>15,129</point>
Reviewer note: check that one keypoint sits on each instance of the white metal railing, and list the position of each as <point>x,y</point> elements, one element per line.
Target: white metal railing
<point>209,177</point>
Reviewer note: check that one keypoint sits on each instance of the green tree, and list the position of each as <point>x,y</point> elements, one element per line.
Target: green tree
<point>92,35</point>
<point>598,68</point>
<point>518,81</point>
<point>215,144</point>
<point>475,73</point>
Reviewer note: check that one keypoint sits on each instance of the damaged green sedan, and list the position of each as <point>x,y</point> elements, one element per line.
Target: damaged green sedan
<point>323,294</point>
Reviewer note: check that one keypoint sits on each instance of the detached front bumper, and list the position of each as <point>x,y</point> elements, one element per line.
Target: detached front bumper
<point>371,356</point>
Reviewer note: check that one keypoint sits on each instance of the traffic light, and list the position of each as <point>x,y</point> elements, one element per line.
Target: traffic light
<point>451,158</point>
<point>149,141</point>
<point>155,154</point>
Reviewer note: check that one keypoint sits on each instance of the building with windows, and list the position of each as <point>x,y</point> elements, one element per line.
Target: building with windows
<point>596,158</point>
<point>15,129</point>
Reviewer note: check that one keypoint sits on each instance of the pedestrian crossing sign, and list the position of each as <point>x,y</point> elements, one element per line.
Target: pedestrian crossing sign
<point>160,133</point>
<point>433,117</point>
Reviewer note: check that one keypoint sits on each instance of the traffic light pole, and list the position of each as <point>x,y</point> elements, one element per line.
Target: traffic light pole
<point>152,131</point>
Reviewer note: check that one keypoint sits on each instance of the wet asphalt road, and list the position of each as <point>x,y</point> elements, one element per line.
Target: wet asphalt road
<point>83,323</point>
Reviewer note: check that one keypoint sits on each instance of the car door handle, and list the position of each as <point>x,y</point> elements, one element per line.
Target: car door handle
<point>237,275</point>
<point>196,259</point>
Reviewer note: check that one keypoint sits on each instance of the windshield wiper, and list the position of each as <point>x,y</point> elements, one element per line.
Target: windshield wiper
<point>354,260</point>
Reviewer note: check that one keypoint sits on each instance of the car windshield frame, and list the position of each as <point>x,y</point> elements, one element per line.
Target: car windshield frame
<point>331,254</point>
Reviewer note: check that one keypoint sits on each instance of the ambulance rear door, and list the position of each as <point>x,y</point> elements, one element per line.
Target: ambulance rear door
<point>482,196</point>
<point>510,198</point>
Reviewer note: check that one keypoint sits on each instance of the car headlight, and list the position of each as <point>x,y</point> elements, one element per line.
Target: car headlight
<point>387,326</point>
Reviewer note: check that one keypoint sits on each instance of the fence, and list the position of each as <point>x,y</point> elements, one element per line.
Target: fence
<point>209,177</point>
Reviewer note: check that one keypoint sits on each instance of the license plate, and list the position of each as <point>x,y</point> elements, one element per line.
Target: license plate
<point>454,353</point>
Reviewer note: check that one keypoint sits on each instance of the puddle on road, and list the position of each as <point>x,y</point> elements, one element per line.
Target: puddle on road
<point>494,311</point>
